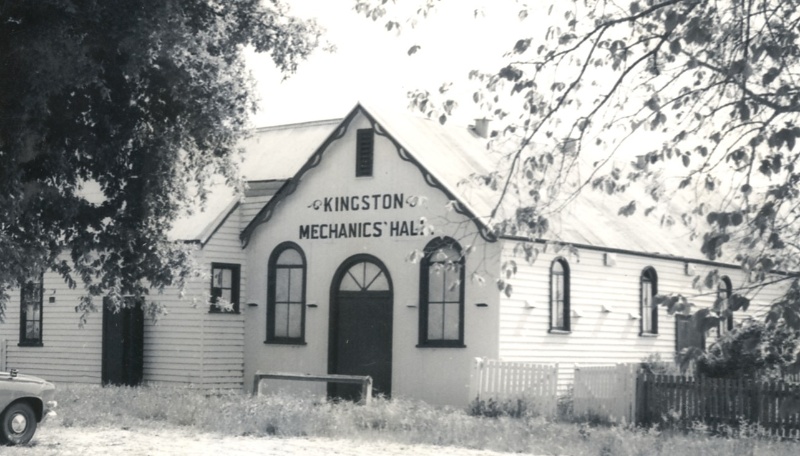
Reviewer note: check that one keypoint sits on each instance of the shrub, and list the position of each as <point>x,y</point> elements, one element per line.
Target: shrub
<point>753,350</point>
<point>493,409</point>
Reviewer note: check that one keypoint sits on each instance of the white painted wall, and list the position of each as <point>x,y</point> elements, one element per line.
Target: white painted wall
<point>69,353</point>
<point>189,345</point>
<point>436,375</point>
<point>599,337</point>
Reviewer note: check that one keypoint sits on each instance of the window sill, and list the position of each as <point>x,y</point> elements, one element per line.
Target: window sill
<point>285,342</point>
<point>30,344</point>
<point>559,331</point>
<point>648,335</point>
<point>439,345</point>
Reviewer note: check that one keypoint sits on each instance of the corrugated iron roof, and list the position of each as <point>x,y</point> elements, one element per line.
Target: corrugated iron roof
<point>276,153</point>
<point>203,221</point>
<point>450,154</point>
<point>270,154</point>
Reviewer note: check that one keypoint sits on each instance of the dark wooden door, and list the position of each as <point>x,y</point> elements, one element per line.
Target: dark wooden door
<point>686,335</point>
<point>362,329</point>
<point>123,345</point>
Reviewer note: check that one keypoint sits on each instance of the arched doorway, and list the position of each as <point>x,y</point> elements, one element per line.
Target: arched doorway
<point>361,325</point>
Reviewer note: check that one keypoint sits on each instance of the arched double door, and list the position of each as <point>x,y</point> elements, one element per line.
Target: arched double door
<point>361,325</point>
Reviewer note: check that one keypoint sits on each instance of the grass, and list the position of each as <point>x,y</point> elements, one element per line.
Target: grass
<point>233,413</point>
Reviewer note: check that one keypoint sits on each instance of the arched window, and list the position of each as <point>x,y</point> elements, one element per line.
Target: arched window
<point>441,316</point>
<point>724,292</point>
<point>648,309</point>
<point>559,295</point>
<point>286,295</point>
<point>30,331</point>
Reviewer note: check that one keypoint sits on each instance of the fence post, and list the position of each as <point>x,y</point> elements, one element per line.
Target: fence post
<point>475,379</point>
<point>641,399</point>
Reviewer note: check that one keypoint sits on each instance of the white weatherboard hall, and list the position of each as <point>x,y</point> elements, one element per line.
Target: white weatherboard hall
<point>356,250</point>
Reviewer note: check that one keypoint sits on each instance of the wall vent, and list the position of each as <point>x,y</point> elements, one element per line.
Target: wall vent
<point>365,143</point>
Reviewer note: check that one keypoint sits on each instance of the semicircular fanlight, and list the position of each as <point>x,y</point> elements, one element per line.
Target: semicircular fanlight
<point>364,276</point>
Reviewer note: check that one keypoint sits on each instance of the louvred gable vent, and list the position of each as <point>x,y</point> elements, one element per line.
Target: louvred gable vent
<point>364,148</point>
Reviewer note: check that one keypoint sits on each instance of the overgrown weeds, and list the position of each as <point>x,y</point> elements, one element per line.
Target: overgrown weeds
<point>396,420</point>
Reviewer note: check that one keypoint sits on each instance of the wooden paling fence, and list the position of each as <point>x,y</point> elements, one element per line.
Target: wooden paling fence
<point>668,399</point>
<point>607,392</point>
<point>505,380</point>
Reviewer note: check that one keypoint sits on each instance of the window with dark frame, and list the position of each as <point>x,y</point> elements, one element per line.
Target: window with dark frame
<point>559,295</point>
<point>724,292</point>
<point>30,331</point>
<point>365,144</point>
<point>648,310</point>
<point>286,296</point>
<point>441,313</point>
<point>224,288</point>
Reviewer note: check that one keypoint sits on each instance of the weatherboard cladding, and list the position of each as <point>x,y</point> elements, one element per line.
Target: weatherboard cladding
<point>188,345</point>
<point>606,298</point>
<point>68,353</point>
<point>314,203</point>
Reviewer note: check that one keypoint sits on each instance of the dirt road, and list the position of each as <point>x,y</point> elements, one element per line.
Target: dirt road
<point>51,440</point>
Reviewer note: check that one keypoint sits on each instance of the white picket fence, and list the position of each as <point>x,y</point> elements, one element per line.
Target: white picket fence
<point>608,392</point>
<point>505,380</point>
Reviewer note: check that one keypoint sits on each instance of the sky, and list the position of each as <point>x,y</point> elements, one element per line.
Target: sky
<point>371,64</point>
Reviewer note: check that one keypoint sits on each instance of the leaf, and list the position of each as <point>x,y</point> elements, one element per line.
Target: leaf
<point>628,210</point>
<point>566,38</point>
<point>413,49</point>
<point>738,302</point>
<point>770,75</point>
<point>442,119</point>
<point>508,290</point>
<point>522,46</point>
<point>675,46</point>
<point>685,160</point>
<point>744,111</point>
<point>510,73</point>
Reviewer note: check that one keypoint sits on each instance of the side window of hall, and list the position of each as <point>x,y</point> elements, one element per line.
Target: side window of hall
<point>224,287</point>
<point>559,295</point>
<point>286,295</point>
<point>30,329</point>
<point>648,309</point>
<point>441,316</point>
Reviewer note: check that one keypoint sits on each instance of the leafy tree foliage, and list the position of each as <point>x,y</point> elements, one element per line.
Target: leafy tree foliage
<point>753,350</point>
<point>685,109</point>
<point>142,99</point>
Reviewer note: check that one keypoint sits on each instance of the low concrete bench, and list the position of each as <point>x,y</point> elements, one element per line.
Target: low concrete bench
<point>364,380</point>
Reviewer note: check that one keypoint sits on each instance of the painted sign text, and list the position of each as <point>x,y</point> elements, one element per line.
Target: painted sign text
<point>362,229</point>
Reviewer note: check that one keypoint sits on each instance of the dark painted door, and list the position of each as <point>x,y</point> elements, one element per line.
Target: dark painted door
<point>123,345</point>
<point>362,327</point>
<point>687,335</point>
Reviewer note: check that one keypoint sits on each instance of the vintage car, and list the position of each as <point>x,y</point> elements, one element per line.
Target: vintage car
<point>24,402</point>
